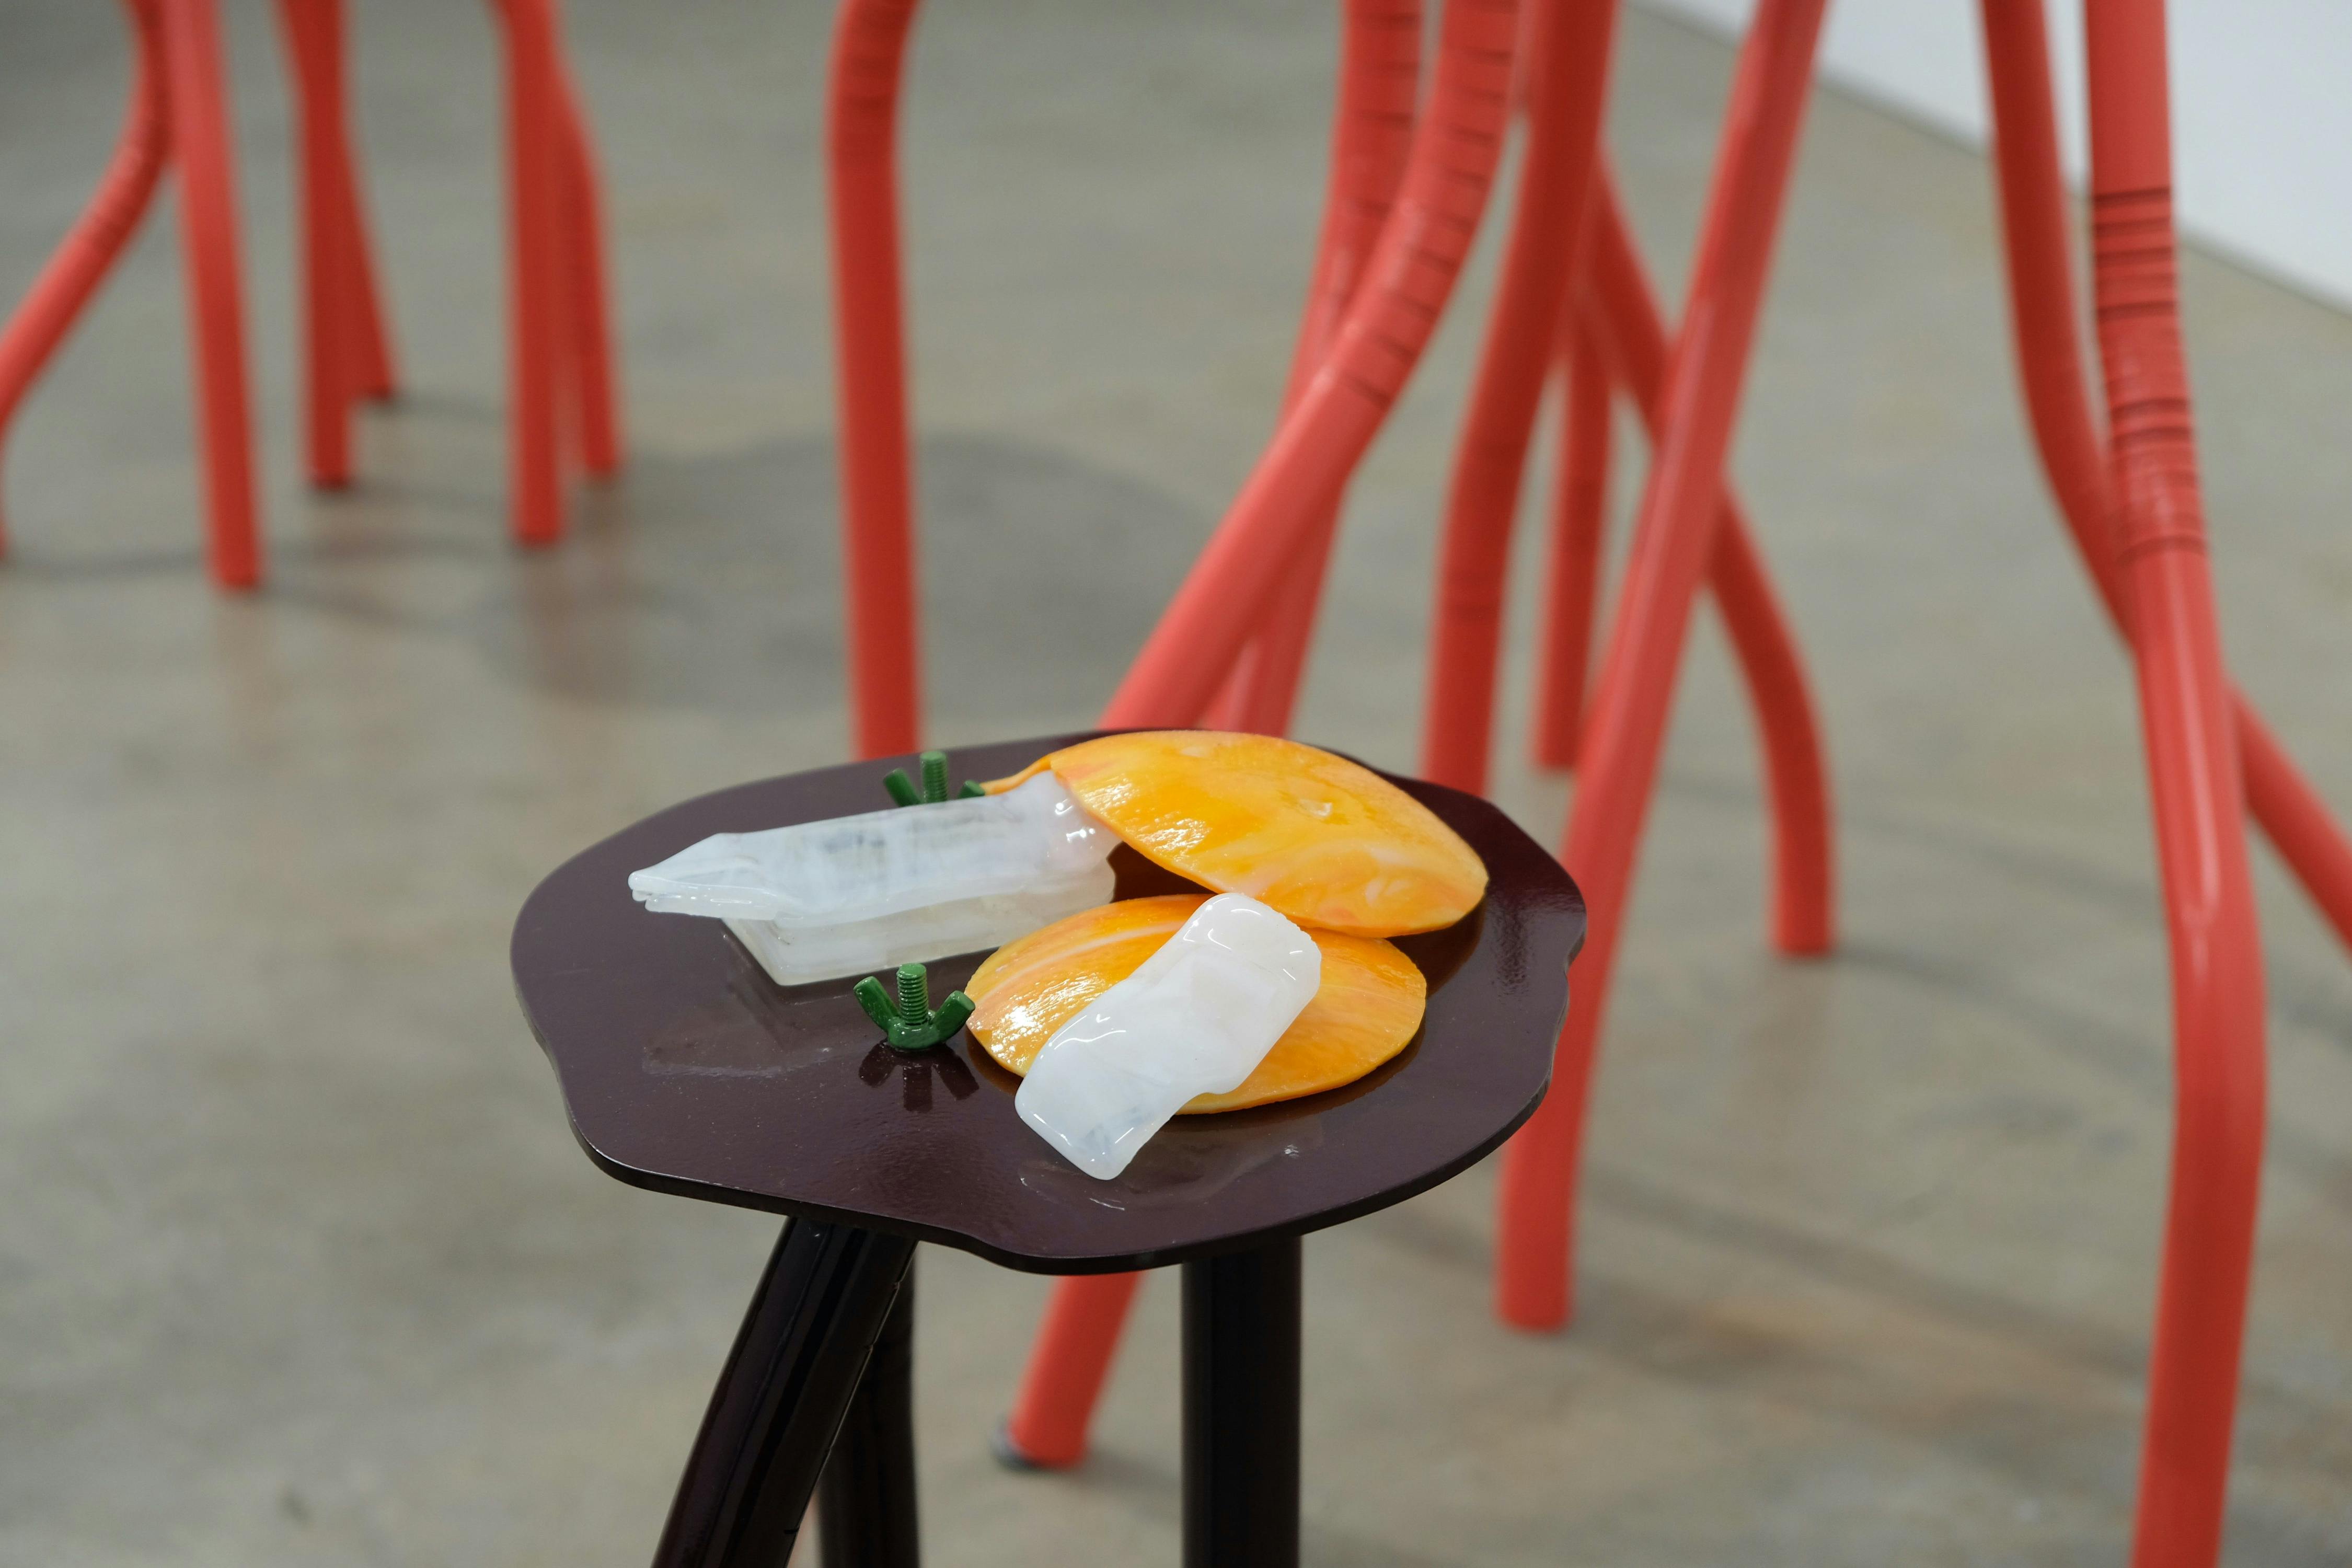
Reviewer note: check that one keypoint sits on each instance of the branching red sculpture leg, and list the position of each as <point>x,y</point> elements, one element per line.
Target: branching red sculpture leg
<point>1672,545</point>
<point>90,249</point>
<point>2035,222</point>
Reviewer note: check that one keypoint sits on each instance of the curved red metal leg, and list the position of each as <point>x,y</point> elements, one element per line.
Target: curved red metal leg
<point>1624,309</point>
<point>1672,545</point>
<point>200,141</point>
<point>1580,493</point>
<point>81,262</point>
<point>588,338</point>
<point>2035,222</point>
<point>869,43</point>
<point>1387,324</point>
<point>314,40</point>
<point>1379,79</point>
<point>2216,949</point>
<point>1047,1426</point>
<point>1482,499</point>
<point>535,270</point>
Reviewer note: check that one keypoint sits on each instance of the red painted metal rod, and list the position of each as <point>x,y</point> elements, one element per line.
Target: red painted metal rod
<point>1579,498</point>
<point>1482,498</point>
<point>2165,577</point>
<point>2034,221</point>
<point>589,361</point>
<point>197,96</point>
<point>1623,307</point>
<point>1372,137</point>
<point>1230,587</point>
<point>1672,540</point>
<point>869,43</point>
<point>90,249</point>
<point>535,269</point>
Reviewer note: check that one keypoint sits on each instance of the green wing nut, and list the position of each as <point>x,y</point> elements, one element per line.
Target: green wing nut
<point>910,1022</point>
<point>934,787</point>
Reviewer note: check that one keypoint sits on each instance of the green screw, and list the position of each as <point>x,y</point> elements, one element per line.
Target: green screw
<point>912,1024</point>
<point>934,789</point>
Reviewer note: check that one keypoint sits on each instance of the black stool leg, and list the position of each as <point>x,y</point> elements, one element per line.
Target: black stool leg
<point>788,1383</point>
<point>868,1488</point>
<point>1241,1408</point>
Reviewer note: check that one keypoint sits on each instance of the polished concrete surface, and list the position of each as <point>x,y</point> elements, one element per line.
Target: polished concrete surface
<point>300,1264</point>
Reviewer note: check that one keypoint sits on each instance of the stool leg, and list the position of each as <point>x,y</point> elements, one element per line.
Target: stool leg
<point>789,1382</point>
<point>1241,1408</point>
<point>1579,496</point>
<point>868,1489</point>
<point>1671,548</point>
<point>97,239</point>
<point>2035,223</point>
<point>535,287</point>
<point>200,143</point>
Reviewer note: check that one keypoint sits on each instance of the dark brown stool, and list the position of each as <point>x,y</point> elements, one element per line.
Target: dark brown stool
<point>687,1070</point>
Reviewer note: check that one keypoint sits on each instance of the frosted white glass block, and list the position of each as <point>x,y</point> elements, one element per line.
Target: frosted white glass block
<point>1195,1018</point>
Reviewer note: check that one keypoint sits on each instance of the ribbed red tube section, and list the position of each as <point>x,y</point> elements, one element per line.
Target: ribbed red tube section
<point>2165,579</point>
<point>2035,223</point>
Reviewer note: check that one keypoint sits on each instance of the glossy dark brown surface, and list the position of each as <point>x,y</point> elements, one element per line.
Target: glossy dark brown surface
<point>685,1070</point>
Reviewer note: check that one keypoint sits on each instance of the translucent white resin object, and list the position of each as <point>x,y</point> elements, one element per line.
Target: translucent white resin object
<point>903,885</point>
<point>1196,1017</point>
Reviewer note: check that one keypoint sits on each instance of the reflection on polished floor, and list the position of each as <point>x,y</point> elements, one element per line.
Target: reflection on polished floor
<point>300,1264</point>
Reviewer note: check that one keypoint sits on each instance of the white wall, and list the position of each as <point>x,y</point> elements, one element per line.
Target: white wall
<point>2261,114</point>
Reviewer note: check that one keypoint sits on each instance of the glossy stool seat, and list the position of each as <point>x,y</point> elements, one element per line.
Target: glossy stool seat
<point>685,1070</point>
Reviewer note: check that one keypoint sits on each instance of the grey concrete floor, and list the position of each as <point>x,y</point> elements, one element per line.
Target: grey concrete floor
<point>300,1263</point>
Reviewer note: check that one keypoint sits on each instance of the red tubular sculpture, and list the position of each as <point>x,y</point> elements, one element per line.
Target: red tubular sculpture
<point>2217,966</point>
<point>1379,76</point>
<point>348,355</point>
<point>2041,301</point>
<point>1454,150</point>
<point>1481,504</point>
<point>1672,545</point>
<point>1226,593</point>
<point>861,110</point>
<point>560,367</point>
<point>1580,495</point>
<point>589,368</point>
<point>177,114</point>
<point>1563,129</point>
<point>1624,310</point>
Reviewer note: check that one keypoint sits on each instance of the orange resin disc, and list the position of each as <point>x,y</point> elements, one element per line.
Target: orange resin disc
<point>1366,1010</point>
<point>1325,841</point>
